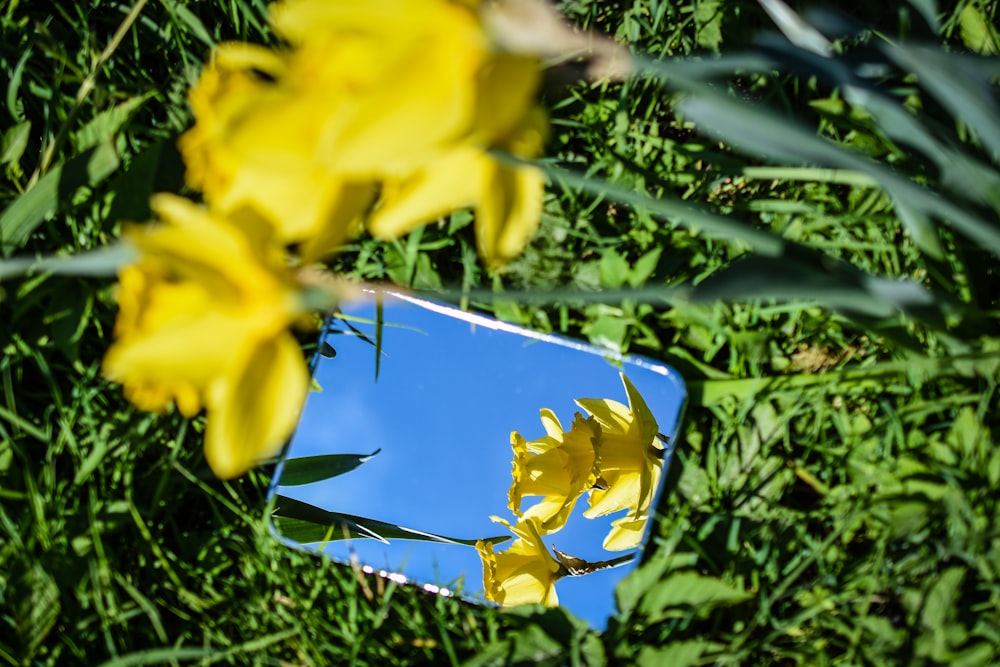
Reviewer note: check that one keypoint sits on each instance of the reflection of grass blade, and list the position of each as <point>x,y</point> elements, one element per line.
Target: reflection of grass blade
<point>379,320</point>
<point>307,523</point>
<point>309,469</point>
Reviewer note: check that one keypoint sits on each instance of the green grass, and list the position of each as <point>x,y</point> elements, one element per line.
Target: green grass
<point>834,495</point>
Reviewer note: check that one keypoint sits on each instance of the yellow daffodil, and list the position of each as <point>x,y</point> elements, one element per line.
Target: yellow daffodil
<point>559,466</point>
<point>630,466</point>
<point>255,146</point>
<point>203,321</point>
<point>406,95</point>
<point>525,573</point>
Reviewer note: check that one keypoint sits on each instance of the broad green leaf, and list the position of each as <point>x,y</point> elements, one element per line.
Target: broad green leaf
<point>676,654</point>
<point>309,469</point>
<point>644,267</point>
<point>708,19</point>
<point>977,33</point>
<point>103,127</point>
<point>15,140</point>
<point>638,582</point>
<point>614,269</point>
<point>28,211</point>
<point>689,591</point>
<point>607,331</point>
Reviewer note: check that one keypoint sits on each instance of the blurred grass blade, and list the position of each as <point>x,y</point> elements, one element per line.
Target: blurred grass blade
<point>755,131</point>
<point>825,281</point>
<point>957,87</point>
<point>59,184</point>
<point>307,523</point>
<point>309,469</point>
<point>689,216</point>
<point>791,25</point>
<point>99,262</point>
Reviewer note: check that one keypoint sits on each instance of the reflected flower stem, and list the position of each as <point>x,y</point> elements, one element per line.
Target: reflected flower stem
<point>577,567</point>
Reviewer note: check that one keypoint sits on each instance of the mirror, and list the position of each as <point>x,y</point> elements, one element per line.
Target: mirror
<point>401,458</point>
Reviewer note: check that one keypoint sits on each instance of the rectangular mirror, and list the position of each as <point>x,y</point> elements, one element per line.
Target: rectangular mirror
<point>428,421</point>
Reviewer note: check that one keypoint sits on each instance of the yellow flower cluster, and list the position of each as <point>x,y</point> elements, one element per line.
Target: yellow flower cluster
<point>614,456</point>
<point>376,113</point>
<point>379,113</point>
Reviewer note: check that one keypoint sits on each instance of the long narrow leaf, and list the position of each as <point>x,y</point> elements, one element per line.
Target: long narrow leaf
<point>320,521</point>
<point>310,469</point>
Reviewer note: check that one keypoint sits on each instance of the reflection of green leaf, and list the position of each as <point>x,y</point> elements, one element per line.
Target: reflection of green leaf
<point>307,523</point>
<point>309,469</point>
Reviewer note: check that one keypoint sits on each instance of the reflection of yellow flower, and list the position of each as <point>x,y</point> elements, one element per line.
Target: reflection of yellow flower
<point>525,573</point>
<point>203,319</point>
<point>630,466</point>
<point>558,466</point>
<point>407,94</point>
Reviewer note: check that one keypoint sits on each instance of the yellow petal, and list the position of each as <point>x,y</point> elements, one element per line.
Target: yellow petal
<point>625,534</point>
<point>453,181</point>
<point>195,351</point>
<point>253,411</point>
<point>523,574</point>
<point>509,212</point>
<point>623,493</point>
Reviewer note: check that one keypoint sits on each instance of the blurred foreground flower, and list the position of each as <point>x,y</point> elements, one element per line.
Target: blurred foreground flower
<point>203,321</point>
<point>403,95</point>
<point>631,462</point>
<point>525,573</point>
<point>559,466</point>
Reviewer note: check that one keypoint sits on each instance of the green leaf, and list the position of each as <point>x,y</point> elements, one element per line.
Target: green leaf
<point>103,127</point>
<point>689,591</point>
<point>607,331</point>
<point>310,469</point>
<point>28,211</point>
<point>614,269</point>
<point>977,33</point>
<point>15,140</point>
<point>676,654</point>
<point>634,586</point>
<point>644,267</point>
<point>708,19</point>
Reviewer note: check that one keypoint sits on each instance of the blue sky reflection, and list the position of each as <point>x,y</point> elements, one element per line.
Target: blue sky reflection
<point>447,398</point>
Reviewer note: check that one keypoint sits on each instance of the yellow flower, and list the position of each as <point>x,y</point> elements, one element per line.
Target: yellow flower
<point>203,321</point>
<point>559,466</point>
<point>507,199</point>
<point>525,573</point>
<point>255,146</point>
<point>630,466</point>
<point>409,95</point>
